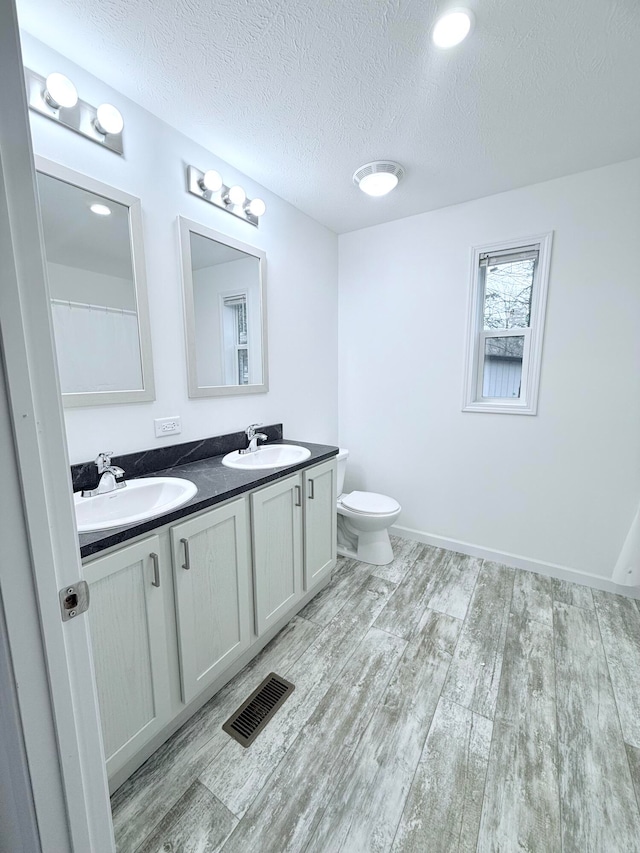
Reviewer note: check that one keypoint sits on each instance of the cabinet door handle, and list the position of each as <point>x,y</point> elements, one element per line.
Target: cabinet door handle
<point>312,491</point>
<point>156,570</point>
<point>298,496</point>
<point>187,563</point>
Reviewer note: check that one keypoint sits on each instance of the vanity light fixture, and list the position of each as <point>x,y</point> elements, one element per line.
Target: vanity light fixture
<point>57,98</point>
<point>210,187</point>
<point>378,178</point>
<point>452,27</point>
<point>100,209</point>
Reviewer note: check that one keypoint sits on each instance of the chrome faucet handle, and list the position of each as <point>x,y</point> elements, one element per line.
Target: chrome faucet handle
<point>251,430</point>
<point>103,461</point>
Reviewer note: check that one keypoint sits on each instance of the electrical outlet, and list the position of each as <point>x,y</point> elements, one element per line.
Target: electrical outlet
<point>167,426</point>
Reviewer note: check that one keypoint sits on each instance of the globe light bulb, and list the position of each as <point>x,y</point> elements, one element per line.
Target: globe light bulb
<point>256,207</point>
<point>108,119</point>
<point>60,91</point>
<point>235,195</point>
<point>211,181</point>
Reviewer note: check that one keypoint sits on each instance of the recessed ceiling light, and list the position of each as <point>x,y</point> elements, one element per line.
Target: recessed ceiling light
<point>452,28</point>
<point>378,178</point>
<point>100,209</point>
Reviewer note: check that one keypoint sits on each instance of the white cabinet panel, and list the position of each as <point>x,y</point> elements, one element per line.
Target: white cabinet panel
<point>213,602</point>
<point>127,623</point>
<point>319,523</point>
<point>276,513</point>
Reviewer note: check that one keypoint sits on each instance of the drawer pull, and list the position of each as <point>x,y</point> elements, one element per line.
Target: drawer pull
<point>312,491</point>
<point>187,564</point>
<point>298,496</point>
<point>156,570</point>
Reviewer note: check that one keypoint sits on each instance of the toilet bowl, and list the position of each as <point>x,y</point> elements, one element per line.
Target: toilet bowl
<point>364,519</point>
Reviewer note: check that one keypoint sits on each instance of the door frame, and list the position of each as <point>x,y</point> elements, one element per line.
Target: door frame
<point>51,664</point>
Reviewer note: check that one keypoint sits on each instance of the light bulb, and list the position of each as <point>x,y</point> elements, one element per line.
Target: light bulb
<point>256,207</point>
<point>60,91</point>
<point>235,195</point>
<point>211,181</point>
<point>378,183</point>
<point>452,28</point>
<point>100,209</point>
<point>108,119</point>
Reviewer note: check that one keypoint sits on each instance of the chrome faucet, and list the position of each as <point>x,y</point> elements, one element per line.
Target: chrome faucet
<point>253,437</point>
<point>110,477</point>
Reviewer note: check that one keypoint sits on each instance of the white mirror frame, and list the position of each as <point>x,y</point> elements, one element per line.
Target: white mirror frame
<point>186,228</point>
<point>147,392</point>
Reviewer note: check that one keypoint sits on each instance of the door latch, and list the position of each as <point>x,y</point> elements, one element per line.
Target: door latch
<point>74,600</point>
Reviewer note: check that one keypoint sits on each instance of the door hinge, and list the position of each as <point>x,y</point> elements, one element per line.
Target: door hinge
<point>74,600</point>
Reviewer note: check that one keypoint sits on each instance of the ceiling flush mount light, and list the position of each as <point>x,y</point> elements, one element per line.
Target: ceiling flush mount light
<point>59,92</point>
<point>57,98</point>
<point>210,187</point>
<point>108,119</point>
<point>100,209</point>
<point>378,178</point>
<point>452,28</point>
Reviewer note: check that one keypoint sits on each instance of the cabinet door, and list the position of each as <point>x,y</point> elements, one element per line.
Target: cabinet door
<point>127,623</point>
<point>320,523</point>
<point>277,549</point>
<point>213,603</point>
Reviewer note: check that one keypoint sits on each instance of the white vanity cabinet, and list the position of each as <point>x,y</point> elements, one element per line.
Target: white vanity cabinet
<point>276,516</point>
<point>213,604</point>
<point>129,640</point>
<point>294,540</point>
<point>320,522</point>
<point>174,615</point>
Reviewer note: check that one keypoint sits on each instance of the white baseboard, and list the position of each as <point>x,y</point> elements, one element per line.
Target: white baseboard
<point>517,562</point>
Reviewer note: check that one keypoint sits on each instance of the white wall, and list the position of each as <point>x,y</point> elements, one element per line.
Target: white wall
<point>559,488</point>
<point>301,283</point>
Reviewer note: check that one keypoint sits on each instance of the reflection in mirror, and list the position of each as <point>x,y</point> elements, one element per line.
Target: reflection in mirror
<point>224,311</point>
<point>93,248</point>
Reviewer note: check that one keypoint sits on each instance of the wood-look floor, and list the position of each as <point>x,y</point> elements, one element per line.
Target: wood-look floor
<point>442,704</point>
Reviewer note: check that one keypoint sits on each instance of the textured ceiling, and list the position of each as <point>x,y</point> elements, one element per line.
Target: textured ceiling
<point>299,93</point>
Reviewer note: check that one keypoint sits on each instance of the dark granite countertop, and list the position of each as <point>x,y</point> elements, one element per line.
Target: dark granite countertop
<point>216,483</point>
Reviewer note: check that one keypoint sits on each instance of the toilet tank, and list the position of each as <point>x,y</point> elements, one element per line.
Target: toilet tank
<point>342,467</point>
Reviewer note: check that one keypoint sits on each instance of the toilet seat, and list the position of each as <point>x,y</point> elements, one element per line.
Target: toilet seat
<point>369,503</point>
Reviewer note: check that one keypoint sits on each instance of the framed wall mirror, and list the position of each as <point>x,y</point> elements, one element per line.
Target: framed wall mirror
<point>96,272</point>
<point>225,313</point>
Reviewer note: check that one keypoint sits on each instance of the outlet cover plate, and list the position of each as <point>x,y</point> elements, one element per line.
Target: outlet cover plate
<point>167,426</point>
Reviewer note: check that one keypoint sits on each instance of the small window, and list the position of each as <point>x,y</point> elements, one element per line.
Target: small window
<point>506,321</point>
<point>235,342</point>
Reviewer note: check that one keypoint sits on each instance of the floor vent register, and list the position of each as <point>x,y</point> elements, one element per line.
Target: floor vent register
<point>253,715</point>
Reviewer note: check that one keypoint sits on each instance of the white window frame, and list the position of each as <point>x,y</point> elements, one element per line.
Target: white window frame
<point>527,403</point>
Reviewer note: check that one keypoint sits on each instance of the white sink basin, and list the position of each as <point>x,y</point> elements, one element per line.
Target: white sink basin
<point>276,456</point>
<point>140,499</point>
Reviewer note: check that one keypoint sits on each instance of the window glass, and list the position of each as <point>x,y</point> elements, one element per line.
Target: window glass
<point>507,294</point>
<point>502,374</point>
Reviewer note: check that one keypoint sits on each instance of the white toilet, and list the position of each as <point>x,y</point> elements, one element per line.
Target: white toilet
<point>364,519</point>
